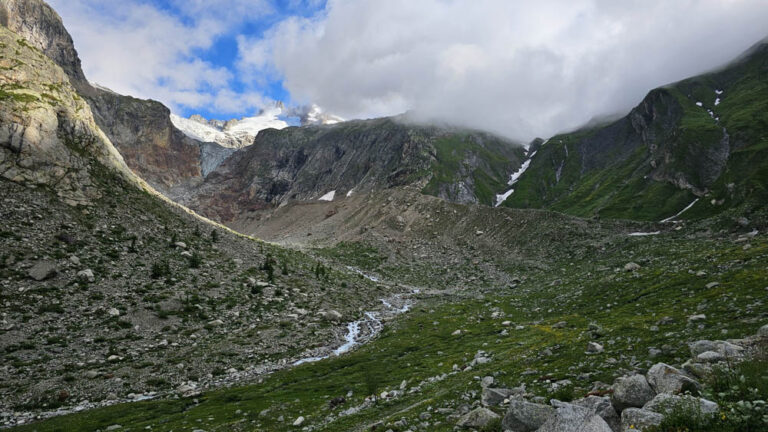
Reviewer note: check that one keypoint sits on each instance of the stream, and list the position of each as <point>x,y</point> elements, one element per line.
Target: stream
<point>367,327</point>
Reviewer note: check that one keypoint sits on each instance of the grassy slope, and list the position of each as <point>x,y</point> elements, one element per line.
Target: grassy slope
<point>451,165</point>
<point>621,189</point>
<point>421,344</point>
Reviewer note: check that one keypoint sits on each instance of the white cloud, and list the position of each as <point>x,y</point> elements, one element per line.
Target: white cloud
<point>519,68</point>
<point>138,49</point>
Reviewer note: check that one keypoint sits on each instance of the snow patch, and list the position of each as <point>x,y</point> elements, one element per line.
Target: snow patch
<point>717,101</point>
<point>670,219</point>
<point>500,198</point>
<point>328,197</point>
<point>349,194</point>
<point>643,234</point>
<point>699,104</point>
<point>718,92</point>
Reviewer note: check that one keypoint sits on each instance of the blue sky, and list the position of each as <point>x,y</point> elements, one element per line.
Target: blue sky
<point>518,68</point>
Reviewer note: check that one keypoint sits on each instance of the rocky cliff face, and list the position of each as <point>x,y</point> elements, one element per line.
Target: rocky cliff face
<point>140,129</point>
<point>703,138</point>
<point>48,137</point>
<point>331,162</point>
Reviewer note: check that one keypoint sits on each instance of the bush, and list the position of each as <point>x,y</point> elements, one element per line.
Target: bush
<point>160,269</point>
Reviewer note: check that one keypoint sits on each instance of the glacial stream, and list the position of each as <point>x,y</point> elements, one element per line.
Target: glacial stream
<point>364,329</point>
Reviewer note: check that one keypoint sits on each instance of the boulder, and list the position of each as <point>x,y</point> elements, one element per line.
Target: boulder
<point>603,407</point>
<point>710,357</point>
<point>724,348</point>
<point>763,331</point>
<point>631,392</point>
<point>299,421</point>
<point>631,266</point>
<point>594,348</point>
<point>495,396</point>
<point>477,418</point>
<point>86,275</point>
<point>42,270</point>
<point>639,419</point>
<point>664,402</point>
<point>574,418</point>
<point>664,378</point>
<point>524,416</point>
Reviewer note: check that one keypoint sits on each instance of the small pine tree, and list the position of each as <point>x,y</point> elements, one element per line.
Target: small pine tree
<point>285,268</point>
<point>214,236</point>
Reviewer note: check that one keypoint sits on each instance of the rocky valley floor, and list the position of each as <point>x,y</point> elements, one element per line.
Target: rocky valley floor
<point>573,305</point>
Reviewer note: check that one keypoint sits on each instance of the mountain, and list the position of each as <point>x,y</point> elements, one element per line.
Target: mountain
<point>140,129</point>
<point>703,139</point>
<point>230,133</point>
<point>355,157</point>
<point>103,280</point>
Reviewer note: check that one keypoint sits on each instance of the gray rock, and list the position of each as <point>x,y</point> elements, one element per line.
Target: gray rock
<point>664,402</point>
<point>631,266</point>
<point>524,416</point>
<point>763,331</point>
<point>42,270</point>
<point>477,418</point>
<point>724,348</point>
<point>86,275</point>
<point>495,396</point>
<point>594,348</point>
<point>639,419</point>
<point>710,357</point>
<point>574,418</point>
<point>299,421</point>
<point>603,407</point>
<point>631,392</point>
<point>664,378</point>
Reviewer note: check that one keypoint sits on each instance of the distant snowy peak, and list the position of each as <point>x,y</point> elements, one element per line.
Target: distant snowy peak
<point>313,115</point>
<point>240,133</point>
<point>230,133</point>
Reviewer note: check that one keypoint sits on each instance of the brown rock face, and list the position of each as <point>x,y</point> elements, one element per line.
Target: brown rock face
<point>48,137</point>
<point>140,129</point>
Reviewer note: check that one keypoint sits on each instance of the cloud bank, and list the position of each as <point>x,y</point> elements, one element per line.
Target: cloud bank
<point>520,68</point>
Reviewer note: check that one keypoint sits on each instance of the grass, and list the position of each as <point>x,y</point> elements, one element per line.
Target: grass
<point>421,349</point>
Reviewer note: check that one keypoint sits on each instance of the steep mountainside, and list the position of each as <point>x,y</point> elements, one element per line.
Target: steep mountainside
<point>703,138</point>
<point>140,129</point>
<point>109,291</point>
<point>331,162</point>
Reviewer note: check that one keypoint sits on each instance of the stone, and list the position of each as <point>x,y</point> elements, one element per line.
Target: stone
<point>187,390</point>
<point>603,407</point>
<point>664,378</point>
<point>639,419</point>
<point>333,316</point>
<point>710,357</point>
<point>763,331</point>
<point>113,312</point>
<point>697,317</point>
<point>559,325</point>
<point>487,381</point>
<point>631,392</point>
<point>631,266</point>
<point>724,348</point>
<point>495,396</point>
<point>42,270</point>
<point>574,418</point>
<point>86,275</point>
<point>299,421</point>
<point>712,285</point>
<point>456,333</point>
<point>525,416</point>
<point>180,245</point>
<point>477,418</point>
<point>91,374</point>
<point>74,260</point>
<point>114,427</point>
<point>664,402</point>
<point>594,348</point>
